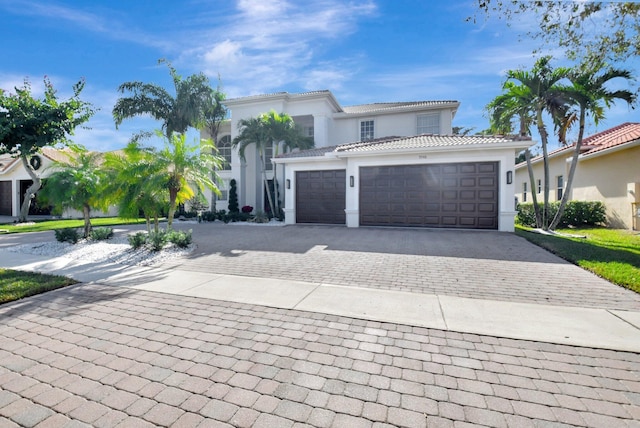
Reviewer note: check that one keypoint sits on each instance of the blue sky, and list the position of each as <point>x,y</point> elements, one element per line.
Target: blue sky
<point>362,50</point>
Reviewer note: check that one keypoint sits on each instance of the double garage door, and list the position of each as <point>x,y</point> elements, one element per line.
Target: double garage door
<point>452,195</point>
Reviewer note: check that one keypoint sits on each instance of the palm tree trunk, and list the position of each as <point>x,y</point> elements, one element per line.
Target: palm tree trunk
<point>572,172</point>
<point>545,161</point>
<point>31,190</point>
<point>173,195</point>
<point>534,198</point>
<point>86,213</point>
<point>266,184</point>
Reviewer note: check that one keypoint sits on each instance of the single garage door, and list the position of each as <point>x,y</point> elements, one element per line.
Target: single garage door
<point>452,195</point>
<point>5,198</point>
<point>320,196</point>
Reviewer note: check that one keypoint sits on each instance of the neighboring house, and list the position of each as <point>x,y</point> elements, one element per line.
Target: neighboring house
<point>608,170</point>
<point>408,143</point>
<point>14,180</point>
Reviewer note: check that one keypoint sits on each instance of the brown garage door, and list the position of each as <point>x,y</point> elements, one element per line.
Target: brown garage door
<point>5,198</point>
<point>320,196</point>
<point>456,195</point>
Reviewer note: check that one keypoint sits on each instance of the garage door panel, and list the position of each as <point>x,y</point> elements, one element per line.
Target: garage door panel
<point>320,196</point>
<point>461,195</point>
<point>6,206</point>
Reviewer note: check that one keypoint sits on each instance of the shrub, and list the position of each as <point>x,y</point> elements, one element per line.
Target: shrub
<point>220,215</point>
<point>576,214</point>
<point>233,196</point>
<point>157,240</point>
<point>180,238</point>
<point>67,235</point>
<point>247,209</point>
<point>101,233</point>
<point>137,240</point>
<point>209,216</point>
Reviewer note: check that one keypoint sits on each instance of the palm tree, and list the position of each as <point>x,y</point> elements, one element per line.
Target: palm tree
<point>185,166</point>
<point>135,183</point>
<point>76,184</point>
<point>541,90</point>
<point>268,130</point>
<point>588,94</point>
<point>177,113</point>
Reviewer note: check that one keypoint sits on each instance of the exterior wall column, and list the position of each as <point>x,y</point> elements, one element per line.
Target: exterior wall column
<point>352,195</point>
<point>321,130</point>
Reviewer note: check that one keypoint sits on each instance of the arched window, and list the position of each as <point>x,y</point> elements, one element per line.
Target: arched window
<point>224,150</point>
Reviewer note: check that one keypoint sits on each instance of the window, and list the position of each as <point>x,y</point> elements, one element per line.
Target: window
<point>308,131</point>
<point>428,123</point>
<point>560,187</point>
<point>524,192</point>
<point>366,130</point>
<point>539,186</point>
<point>224,150</point>
<point>268,154</point>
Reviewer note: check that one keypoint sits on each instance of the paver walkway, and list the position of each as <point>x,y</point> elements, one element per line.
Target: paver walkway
<point>106,355</point>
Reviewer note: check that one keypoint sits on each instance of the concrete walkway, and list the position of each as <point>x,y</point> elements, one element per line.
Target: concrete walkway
<point>334,328</point>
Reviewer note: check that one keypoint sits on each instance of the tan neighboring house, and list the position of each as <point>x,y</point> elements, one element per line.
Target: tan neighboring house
<point>608,170</point>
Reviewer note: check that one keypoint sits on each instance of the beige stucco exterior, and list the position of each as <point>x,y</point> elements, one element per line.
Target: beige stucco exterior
<point>611,176</point>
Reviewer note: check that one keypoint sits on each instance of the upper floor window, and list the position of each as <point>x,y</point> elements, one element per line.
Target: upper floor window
<point>428,123</point>
<point>224,150</point>
<point>308,131</point>
<point>560,188</point>
<point>366,130</point>
<point>268,154</point>
<point>539,186</point>
<point>524,192</point>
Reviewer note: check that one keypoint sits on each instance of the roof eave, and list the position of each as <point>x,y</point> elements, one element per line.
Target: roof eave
<point>515,145</point>
<point>402,109</point>
<point>623,146</point>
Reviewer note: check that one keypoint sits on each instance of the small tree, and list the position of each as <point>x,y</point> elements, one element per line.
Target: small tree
<point>76,183</point>
<point>28,124</point>
<point>233,197</point>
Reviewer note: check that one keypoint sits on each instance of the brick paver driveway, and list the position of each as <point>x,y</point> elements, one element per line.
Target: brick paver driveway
<point>108,356</point>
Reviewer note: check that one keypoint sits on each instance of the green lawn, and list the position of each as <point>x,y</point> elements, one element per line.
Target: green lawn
<point>609,253</point>
<point>43,225</point>
<point>15,284</point>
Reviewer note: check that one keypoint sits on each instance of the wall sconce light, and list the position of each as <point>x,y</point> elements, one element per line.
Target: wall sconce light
<point>509,177</point>
<point>351,181</point>
<point>288,184</point>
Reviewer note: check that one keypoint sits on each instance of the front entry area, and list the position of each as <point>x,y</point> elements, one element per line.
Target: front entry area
<point>448,195</point>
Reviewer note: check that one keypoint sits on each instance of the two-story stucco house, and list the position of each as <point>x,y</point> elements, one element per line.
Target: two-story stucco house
<point>393,164</point>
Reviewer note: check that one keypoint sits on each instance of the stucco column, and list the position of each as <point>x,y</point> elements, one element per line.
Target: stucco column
<point>321,130</point>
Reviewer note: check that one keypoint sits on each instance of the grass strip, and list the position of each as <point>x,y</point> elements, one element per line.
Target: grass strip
<point>16,284</point>
<point>44,225</point>
<point>609,253</point>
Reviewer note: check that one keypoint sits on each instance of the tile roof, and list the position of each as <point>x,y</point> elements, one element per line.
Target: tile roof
<point>618,135</point>
<point>380,107</point>
<point>400,143</point>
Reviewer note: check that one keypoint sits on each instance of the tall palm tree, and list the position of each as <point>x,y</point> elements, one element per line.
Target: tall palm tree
<point>76,183</point>
<point>177,113</point>
<point>136,183</point>
<point>186,168</point>
<point>541,89</point>
<point>590,97</point>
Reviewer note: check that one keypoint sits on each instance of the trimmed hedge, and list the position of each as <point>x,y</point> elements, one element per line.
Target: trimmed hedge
<point>576,214</point>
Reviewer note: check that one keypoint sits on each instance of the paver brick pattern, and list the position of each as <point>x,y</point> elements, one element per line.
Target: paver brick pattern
<point>67,359</point>
<point>475,264</point>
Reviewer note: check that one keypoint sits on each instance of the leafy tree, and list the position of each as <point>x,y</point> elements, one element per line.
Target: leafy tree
<point>185,166</point>
<point>593,30</point>
<point>76,183</point>
<point>215,113</point>
<point>177,113</point>
<point>589,96</point>
<point>135,183</point>
<point>528,96</point>
<point>28,124</point>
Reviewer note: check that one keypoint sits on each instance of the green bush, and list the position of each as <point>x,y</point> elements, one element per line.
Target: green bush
<point>138,240</point>
<point>180,238</point>
<point>576,214</point>
<point>101,233</point>
<point>157,240</point>
<point>209,216</point>
<point>67,235</point>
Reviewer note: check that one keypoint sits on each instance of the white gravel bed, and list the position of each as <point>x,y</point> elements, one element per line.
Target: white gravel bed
<point>114,250</point>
